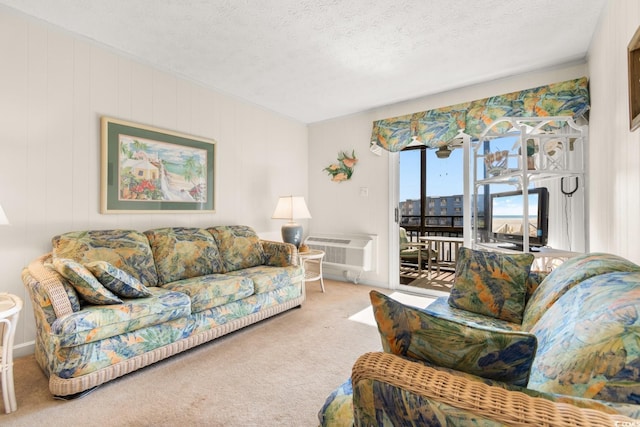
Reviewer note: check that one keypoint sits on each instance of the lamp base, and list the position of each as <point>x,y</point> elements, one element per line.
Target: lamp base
<point>292,233</point>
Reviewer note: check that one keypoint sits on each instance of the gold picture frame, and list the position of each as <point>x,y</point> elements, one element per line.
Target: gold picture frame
<point>633,60</point>
<point>146,169</point>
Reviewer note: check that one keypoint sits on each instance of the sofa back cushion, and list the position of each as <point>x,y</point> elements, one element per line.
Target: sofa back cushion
<point>239,245</point>
<point>588,341</point>
<point>567,275</point>
<point>183,252</point>
<point>127,250</point>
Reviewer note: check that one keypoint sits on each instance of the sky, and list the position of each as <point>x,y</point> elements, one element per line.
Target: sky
<point>444,176</point>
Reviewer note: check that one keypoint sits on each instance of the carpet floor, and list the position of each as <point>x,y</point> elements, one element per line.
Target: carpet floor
<point>274,373</point>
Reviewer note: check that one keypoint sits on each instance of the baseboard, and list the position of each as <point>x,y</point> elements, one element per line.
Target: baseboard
<point>24,349</point>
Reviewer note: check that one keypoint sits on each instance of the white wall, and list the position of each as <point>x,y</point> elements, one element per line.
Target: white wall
<point>615,151</point>
<point>338,207</point>
<point>54,87</point>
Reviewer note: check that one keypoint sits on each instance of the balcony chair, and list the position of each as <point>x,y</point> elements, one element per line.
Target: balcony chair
<point>414,257</point>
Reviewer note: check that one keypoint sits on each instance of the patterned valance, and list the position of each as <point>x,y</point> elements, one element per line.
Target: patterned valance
<point>435,128</point>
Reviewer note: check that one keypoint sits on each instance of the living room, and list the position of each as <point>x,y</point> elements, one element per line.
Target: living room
<point>56,86</point>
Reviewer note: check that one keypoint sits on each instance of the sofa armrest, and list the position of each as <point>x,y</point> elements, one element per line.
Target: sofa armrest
<point>279,254</point>
<point>46,289</point>
<point>403,392</point>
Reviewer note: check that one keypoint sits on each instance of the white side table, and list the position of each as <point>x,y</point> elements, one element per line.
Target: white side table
<point>312,258</point>
<point>10,306</point>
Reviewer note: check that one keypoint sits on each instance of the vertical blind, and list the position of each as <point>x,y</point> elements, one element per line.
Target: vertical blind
<point>436,128</point>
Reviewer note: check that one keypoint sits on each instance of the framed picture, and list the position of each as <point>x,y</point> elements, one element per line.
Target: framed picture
<point>633,59</point>
<point>146,169</point>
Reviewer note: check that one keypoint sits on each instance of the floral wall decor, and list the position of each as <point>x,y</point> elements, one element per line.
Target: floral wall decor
<point>342,170</point>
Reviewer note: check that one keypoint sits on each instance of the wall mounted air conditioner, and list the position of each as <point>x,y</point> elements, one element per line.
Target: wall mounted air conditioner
<point>355,252</point>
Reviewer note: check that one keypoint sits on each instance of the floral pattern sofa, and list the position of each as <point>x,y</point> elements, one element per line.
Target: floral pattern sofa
<point>569,356</point>
<point>109,302</point>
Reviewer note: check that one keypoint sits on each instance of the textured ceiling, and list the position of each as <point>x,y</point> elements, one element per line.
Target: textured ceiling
<point>312,60</point>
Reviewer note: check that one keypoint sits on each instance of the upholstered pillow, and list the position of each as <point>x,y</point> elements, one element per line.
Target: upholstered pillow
<point>491,283</point>
<point>117,281</point>
<point>499,355</point>
<point>129,250</point>
<point>183,252</point>
<point>239,245</point>
<point>84,283</point>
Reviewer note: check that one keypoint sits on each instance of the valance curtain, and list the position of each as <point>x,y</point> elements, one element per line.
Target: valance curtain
<point>435,128</point>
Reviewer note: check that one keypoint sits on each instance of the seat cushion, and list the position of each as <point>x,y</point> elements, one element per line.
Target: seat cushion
<point>266,278</point>
<point>212,290</point>
<point>442,309</point>
<point>94,323</point>
<point>239,246</point>
<point>491,283</point>
<point>419,334</point>
<point>127,250</point>
<point>183,252</point>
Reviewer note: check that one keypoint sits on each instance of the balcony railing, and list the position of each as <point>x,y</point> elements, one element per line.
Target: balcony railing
<point>434,225</point>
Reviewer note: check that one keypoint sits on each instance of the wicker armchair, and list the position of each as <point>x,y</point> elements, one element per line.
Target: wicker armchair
<point>430,396</point>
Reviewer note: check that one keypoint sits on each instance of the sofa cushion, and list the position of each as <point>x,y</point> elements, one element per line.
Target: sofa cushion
<point>267,278</point>
<point>491,283</point>
<point>588,340</point>
<point>499,355</point>
<point>117,281</point>
<point>212,290</point>
<point>182,252</point>
<point>441,308</point>
<point>568,274</point>
<point>239,246</point>
<point>127,250</point>
<point>95,323</point>
<point>89,288</point>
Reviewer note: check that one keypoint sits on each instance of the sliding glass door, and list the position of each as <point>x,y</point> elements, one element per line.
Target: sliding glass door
<point>430,203</point>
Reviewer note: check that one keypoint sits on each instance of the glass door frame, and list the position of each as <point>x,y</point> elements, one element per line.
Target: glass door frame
<point>394,213</point>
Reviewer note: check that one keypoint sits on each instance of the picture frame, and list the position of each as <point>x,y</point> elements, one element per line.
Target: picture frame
<point>145,169</point>
<point>633,61</point>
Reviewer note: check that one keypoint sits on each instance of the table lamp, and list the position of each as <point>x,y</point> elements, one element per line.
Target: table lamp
<point>291,207</point>
<point>3,218</point>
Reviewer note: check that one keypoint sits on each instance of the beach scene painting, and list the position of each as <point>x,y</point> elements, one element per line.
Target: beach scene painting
<point>145,169</point>
<point>155,171</point>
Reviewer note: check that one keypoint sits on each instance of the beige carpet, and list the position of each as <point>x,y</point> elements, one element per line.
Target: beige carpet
<point>275,373</point>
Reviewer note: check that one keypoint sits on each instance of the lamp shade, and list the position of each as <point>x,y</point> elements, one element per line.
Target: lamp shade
<point>291,207</point>
<point>3,218</point>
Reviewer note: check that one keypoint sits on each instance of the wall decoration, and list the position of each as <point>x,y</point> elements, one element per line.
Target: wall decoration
<point>342,170</point>
<point>146,169</point>
<point>633,62</point>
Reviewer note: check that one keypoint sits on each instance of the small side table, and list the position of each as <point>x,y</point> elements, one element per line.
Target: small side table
<point>312,258</point>
<point>10,306</point>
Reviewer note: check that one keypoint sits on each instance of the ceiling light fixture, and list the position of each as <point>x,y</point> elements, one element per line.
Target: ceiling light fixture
<point>443,152</point>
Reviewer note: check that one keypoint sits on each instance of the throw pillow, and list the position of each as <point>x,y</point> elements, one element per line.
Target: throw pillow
<point>117,281</point>
<point>494,354</point>
<point>491,283</point>
<point>84,283</point>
